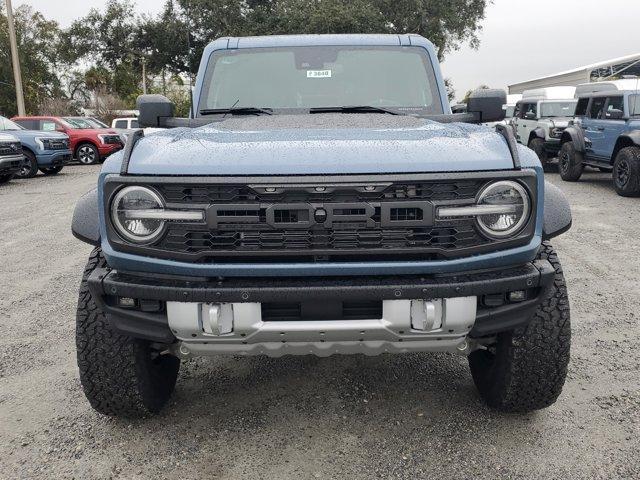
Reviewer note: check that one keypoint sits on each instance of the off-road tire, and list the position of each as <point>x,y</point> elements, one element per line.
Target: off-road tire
<point>570,163</point>
<point>626,172</point>
<point>526,368</point>
<point>30,168</point>
<point>537,145</point>
<point>121,376</point>
<point>5,178</point>
<point>51,170</point>
<point>87,154</point>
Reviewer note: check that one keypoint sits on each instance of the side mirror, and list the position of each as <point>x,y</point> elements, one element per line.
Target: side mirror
<point>614,114</point>
<point>530,116</point>
<point>486,104</point>
<point>154,110</point>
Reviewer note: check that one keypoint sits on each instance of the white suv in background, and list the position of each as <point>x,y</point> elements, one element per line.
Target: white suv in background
<point>541,117</point>
<point>125,123</point>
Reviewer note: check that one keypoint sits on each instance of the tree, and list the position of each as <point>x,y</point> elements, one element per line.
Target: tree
<point>447,24</point>
<point>38,40</point>
<point>109,42</point>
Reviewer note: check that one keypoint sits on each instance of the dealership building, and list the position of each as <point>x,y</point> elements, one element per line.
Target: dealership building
<point>607,70</point>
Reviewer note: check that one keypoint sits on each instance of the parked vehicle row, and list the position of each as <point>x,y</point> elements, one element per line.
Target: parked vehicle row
<point>593,124</point>
<point>89,143</point>
<point>47,144</point>
<point>44,151</point>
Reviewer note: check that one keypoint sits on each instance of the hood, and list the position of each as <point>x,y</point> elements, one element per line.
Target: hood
<point>320,144</point>
<point>31,134</point>
<point>6,137</point>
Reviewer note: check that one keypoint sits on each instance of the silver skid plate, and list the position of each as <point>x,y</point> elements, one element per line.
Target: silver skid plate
<point>405,326</point>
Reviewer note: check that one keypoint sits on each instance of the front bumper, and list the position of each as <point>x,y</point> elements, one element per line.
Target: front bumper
<point>11,164</point>
<point>54,159</point>
<point>107,149</point>
<point>392,332</point>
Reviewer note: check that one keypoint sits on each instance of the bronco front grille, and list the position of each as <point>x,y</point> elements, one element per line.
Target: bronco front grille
<point>378,219</point>
<point>61,144</point>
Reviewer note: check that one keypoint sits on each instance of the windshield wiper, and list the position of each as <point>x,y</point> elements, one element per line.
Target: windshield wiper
<point>237,111</point>
<point>355,109</point>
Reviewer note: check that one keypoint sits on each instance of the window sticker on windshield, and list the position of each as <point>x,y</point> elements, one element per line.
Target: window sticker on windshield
<point>318,73</point>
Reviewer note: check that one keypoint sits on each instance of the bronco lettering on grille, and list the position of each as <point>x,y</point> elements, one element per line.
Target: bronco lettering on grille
<point>305,215</point>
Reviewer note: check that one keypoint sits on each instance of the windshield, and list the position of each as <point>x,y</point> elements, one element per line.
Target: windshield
<point>94,122</point>
<point>6,124</point>
<point>558,109</point>
<point>301,78</point>
<point>78,123</point>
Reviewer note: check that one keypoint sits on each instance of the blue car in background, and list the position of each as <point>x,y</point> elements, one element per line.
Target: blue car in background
<point>44,151</point>
<point>605,134</point>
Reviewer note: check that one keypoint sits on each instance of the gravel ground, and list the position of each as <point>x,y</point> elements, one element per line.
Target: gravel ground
<point>413,416</point>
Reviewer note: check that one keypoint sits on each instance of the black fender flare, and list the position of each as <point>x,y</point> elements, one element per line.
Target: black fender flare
<point>629,139</point>
<point>575,135</point>
<point>557,212</point>
<point>85,225</point>
<point>537,132</point>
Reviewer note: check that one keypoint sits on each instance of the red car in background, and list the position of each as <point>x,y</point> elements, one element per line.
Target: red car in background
<point>88,144</point>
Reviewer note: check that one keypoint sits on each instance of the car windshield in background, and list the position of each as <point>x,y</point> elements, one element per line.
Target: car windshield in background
<point>303,78</point>
<point>558,109</point>
<point>97,123</point>
<point>6,124</point>
<point>78,123</point>
<point>93,122</point>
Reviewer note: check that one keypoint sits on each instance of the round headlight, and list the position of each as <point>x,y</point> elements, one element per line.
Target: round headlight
<point>130,212</point>
<point>511,208</point>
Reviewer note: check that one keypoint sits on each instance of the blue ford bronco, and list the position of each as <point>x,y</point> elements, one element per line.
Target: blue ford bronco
<point>605,134</point>
<point>321,199</point>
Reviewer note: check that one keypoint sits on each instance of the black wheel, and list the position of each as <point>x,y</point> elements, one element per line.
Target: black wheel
<point>626,172</point>
<point>51,170</point>
<point>526,368</point>
<point>5,178</point>
<point>570,163</point>
<point>120,375</point>
<point>87,154</point>
<point>537,145</point>
<point>29,167</point>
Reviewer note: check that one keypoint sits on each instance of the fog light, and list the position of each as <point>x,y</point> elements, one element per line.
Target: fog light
<point>426,315</point>
<point>126,302</point>
<point>518,296</point>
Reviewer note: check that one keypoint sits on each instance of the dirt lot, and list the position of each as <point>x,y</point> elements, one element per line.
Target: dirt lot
<point>414,416</point>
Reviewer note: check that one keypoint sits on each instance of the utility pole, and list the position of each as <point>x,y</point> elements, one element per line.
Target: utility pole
<point>144,76</point>
<point>15,60</point>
